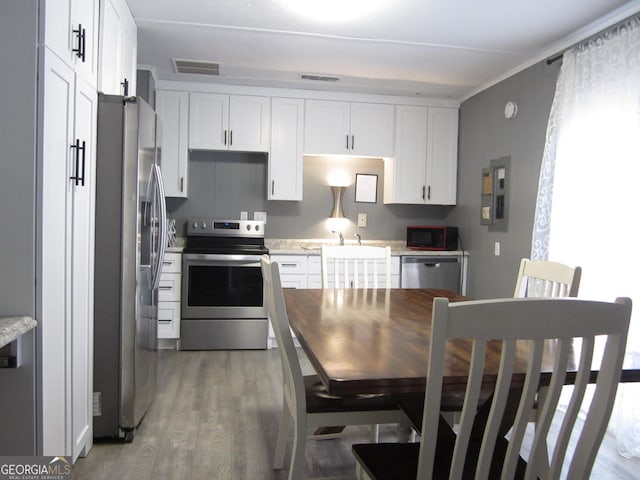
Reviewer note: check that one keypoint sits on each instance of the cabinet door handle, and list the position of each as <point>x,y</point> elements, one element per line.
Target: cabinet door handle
<point>81,48</point>
<point>273,186</point>
<point>79,148</point>
<point>164,287</point>
<point>125,86</point>
<point>353,142</point>
<point>225,138</point>
<point>230,137</point>
<point>429,193</point>
<point>182,184</point>
<point>423,190</point>
<point>347,142</point>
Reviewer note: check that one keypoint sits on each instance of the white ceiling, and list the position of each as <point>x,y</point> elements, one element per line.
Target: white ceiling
<point>434,48</point>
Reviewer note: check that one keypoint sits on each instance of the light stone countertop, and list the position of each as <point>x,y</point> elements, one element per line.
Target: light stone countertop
<point>312,247</point>
<point>12,327</point>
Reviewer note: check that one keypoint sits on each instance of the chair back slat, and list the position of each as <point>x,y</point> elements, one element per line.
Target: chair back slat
<point>352,266</point>
<point>558,329</point>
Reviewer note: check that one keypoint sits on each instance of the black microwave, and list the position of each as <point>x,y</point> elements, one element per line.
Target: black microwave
<point>429,237</point>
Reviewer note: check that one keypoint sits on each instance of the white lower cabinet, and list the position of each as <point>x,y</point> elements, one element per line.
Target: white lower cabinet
<point>169,295</point>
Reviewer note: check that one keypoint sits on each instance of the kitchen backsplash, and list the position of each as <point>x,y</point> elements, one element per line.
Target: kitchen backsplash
<point>223,184</point>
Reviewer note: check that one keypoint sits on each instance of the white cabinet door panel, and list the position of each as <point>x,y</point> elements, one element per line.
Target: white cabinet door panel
<point>326,129</point>
<point>442,156</point>
<point>208,121</point>
<point>249,121</point>
<point>173,112</point>
<point>372,129</point>
<point>284,177</point>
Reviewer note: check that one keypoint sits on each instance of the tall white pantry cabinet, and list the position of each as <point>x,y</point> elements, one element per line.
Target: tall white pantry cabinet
<point>67,115</point>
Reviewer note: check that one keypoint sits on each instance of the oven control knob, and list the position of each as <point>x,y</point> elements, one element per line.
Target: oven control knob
<point>204,225</point>
<point>195,225</point>
<point>257,228</point>
<point>248,228</point>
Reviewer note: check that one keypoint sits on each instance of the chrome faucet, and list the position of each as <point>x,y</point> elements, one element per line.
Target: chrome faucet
<point>339,234</point>
<point>357,235</point>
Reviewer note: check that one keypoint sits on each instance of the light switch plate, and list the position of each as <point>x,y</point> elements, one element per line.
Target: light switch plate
<point>362,219</point>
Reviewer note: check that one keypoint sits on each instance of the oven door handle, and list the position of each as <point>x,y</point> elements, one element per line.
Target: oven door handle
<point>222,259</point>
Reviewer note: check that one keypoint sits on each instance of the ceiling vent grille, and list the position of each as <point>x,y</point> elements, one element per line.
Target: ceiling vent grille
<point>193,66</point>
<point>319,78</point>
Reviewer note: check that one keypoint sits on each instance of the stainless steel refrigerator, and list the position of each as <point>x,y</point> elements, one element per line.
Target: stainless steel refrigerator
<point>129,249</point>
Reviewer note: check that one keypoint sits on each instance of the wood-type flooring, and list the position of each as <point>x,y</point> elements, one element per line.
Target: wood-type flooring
<point>216,416</point>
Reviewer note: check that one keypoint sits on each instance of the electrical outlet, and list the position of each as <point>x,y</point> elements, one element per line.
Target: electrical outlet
<point>496,249</point>
<point>260,216</point>
<point>362,219</point>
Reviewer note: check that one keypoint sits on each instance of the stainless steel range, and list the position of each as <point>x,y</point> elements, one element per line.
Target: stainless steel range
<point>223,300</point>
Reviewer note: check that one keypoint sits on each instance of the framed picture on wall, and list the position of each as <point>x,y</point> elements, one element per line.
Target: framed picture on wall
<point>366,188</point>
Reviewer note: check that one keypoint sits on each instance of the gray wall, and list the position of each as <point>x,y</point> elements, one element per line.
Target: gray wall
<point>146,86</point>
<point>18,57</point>
<point>485,134</point>
<point>222,184</point>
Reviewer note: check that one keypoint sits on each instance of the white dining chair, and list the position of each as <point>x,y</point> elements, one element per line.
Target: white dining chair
<point>549,326</point>
<point>538,278</point>
<point>306,402</point>
<point>355,266</point>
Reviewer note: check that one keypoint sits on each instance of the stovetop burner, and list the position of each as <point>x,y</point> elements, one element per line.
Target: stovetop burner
<point>219,236</point>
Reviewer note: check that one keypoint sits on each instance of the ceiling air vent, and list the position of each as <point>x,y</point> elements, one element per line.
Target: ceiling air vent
<point>318,78</point>
<point>193,66</point>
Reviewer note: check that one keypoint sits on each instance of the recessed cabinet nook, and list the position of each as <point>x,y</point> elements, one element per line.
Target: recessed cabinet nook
<point>416,137</point>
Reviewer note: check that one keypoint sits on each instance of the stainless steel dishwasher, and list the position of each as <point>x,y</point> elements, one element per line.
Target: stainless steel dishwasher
<point>431,272</point>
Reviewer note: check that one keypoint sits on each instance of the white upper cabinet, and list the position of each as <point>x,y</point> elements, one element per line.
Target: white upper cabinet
<point>118,49</point>
<point>424,167</point>
<point>173,112</point>
<point>284,178</point>
<point>372,129</point>
<point>229,122</point>
<point>71,31</point>
<point>442,156</point>
<point>405,173</point>
<point>326,127</point>
<point>348,128</point>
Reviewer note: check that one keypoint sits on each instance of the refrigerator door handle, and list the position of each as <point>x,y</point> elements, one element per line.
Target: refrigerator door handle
<point>162,244</point>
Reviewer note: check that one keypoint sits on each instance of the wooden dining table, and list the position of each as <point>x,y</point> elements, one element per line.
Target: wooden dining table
<point>367,341</point>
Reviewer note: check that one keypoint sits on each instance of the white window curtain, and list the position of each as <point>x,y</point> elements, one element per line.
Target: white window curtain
<point>588,206</point>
